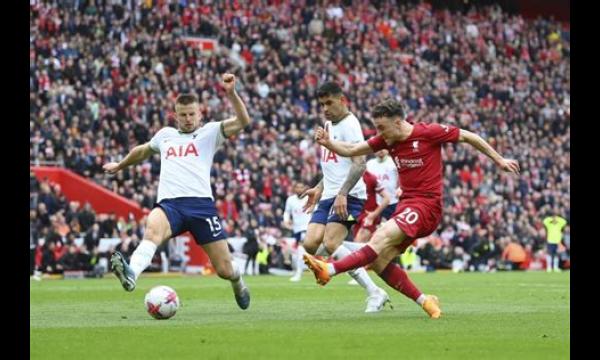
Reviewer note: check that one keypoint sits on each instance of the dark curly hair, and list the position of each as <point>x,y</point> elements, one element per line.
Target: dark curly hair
<point>329,88</point>
<point>388,108</point>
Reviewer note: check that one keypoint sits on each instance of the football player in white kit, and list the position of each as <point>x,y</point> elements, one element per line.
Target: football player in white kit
<point>341,193</point>
<point>295,219</point>
<point>185,201</point>
<point>384,168</point>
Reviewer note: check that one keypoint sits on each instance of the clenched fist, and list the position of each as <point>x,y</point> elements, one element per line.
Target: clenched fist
<point>229,83</point>
<point>322,136</point>
<point>111,168</point>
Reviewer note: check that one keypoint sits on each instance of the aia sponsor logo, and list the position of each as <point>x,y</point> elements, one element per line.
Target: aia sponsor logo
<point>182,151</point>
<point>327,155</point>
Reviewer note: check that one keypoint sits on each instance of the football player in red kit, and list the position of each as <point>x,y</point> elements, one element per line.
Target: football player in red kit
<point>417,152</point>
<point>370,217</point>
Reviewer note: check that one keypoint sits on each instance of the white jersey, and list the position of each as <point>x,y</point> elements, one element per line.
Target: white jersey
<point>387,175</point>
<point>186,160</point>
<point>293,208</point>
<point>335,167</point>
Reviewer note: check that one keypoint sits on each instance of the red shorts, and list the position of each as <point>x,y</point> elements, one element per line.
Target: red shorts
<point>417,218</point>
<point>360,224</point>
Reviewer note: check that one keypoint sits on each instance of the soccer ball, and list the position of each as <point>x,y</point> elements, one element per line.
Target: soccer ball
<point>161,302</point>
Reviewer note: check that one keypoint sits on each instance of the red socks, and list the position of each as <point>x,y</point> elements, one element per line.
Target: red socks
<point>393,274</point>
<point>397,278</point>
<point>355,260</point>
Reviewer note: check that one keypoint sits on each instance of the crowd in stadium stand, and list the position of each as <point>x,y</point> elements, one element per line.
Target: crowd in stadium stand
<point>103,78</point>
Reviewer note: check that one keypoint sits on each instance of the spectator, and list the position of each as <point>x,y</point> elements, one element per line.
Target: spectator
<point>250,247</point>
<point>48,263</point>
<point>92,238</point>
<point>108,226</point>
<point>514,255</point>
<point>73,260</point>
<point>483,254</point>
<point>33,238</point>
<point>127,245</point>
<point>554,227</point>
<point>87,217</point>
<point>263,259</point>
<point>60,225</point>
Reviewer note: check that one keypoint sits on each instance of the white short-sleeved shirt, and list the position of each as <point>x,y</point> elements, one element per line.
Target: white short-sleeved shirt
<point>335,167</point>
<point>293,209</point>
<point>387,175</point>
<point>186,160</point>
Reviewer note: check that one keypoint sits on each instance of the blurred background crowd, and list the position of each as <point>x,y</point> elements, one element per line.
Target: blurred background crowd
<point>104,76</point>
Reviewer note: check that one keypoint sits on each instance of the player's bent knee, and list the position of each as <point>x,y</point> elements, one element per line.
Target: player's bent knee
<point>310,248</point>
<point>311,245</point>
<point>331,245</point>
<point>153,235</point>
<point>363,236</point>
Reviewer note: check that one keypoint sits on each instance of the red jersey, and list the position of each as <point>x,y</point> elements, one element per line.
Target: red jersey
<point>373,187</point>
<point>419,158</point>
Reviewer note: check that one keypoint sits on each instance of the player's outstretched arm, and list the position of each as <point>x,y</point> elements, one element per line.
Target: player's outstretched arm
<point>241,119</point>
<point>340,147</point>
<point>136,155</point>
<point>477,142</point>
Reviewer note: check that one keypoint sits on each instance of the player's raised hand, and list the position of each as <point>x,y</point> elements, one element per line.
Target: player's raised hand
<point>322,136</point>
<point>510,165</point>
<point>229,82</point>
<point>111,167</point>
<point>314,195</point>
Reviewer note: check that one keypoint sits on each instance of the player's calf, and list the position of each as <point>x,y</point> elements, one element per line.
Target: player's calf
<point>226,271</point>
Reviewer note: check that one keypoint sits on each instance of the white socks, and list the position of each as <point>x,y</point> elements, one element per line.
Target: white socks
<point>299,260</point>
<point>322,251</point>
<point>360,274</point>
<point>236,280</point>
<point>353,246</point>
<point>421,299</point>
<point>331,269</point>
<point>142,257</point>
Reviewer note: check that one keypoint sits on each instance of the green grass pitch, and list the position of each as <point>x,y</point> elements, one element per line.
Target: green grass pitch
<point>485,316</point>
